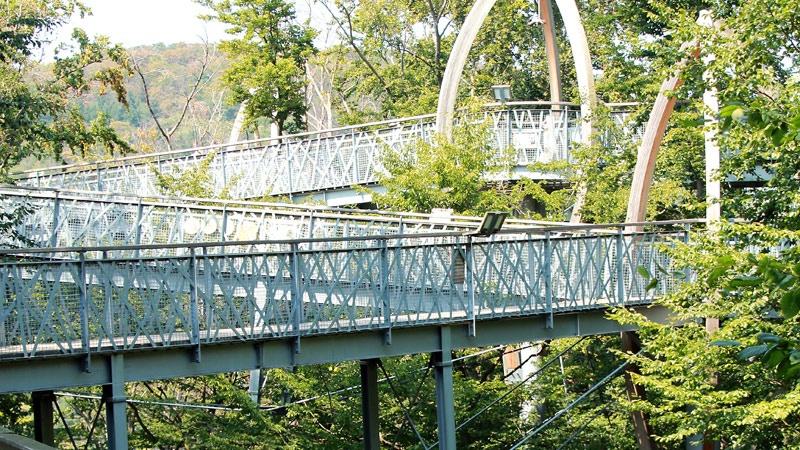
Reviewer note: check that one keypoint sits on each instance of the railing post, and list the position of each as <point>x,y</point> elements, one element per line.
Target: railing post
<point>384,274</point>
<point>297,301</point>
<point>354,147</point>
<point>548,279</point>
<point>468,279</point>
<point>56,214</point>
<point>99,177</point>
<point>620,268</point>
<point>224,173</point>
<point>84,313</point>
<point>223,228</point>
<point>139,219</point>
<point>534,295</point>
<point>508,125</point>
<point>193,312</point>
<point>109,306</point>
<point>289,157</point>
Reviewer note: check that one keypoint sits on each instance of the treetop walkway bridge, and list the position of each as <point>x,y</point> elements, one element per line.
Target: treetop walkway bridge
<point>59,218</point>
<point>326,165</point>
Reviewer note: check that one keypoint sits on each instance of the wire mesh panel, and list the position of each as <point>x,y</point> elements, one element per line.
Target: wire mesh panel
<point>316,162</point>
<point>62,304</point>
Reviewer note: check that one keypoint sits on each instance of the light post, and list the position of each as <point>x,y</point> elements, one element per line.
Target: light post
<point>502,93</point>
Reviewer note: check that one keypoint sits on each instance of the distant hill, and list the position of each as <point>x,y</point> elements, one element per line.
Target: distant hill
<point>170,71</point>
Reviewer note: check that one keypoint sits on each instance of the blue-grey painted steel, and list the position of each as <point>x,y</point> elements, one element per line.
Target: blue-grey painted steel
<point>81,219</point>
<point>445,405</point>
<point>114,398</point>
<point>26,375</point>
<point>278,289</point>
<point>324,161</point>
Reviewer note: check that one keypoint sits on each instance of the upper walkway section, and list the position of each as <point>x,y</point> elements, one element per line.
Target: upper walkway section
<point>328,164</point>
<point>59,218</point>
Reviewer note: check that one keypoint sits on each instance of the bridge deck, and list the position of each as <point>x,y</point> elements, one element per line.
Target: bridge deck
<point>294,289</point>
<point>324,161</point>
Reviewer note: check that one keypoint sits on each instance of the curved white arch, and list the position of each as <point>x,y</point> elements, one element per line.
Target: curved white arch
<point>466,37</point>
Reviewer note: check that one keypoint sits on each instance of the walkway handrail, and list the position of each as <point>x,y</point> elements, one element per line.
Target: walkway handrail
<point>224,148</point>
<point>202,203</point>
<point>543,232</point>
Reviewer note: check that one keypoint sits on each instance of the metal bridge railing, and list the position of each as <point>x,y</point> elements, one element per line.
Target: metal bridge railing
<point>61,301</point>
<point>320,161</point>
<point>91,219</point>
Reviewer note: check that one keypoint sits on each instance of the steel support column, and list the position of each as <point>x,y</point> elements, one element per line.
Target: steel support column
<point>114,398</point>
<point>445,408</point>
<point>369,403</point>
<point>42,403</point>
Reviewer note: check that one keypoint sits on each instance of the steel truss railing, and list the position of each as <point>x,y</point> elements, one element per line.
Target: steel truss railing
<point>70,303</point>
<point>320,161</point>
<point>91,219</point>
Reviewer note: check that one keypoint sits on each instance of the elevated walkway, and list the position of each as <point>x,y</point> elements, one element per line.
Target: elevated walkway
<point>62,218</point>
<point>61,302</point>
<point>329,164</point>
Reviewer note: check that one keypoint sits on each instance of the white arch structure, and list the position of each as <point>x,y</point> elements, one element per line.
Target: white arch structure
<point>582,59</point>
<point>466,37</point>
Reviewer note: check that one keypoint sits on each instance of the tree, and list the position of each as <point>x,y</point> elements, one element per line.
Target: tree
<point>267,59</point>
<point>201,79</point>
<point>37,117</point>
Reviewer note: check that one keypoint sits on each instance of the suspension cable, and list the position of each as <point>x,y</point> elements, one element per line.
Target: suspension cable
<point>572,404</point>
<point>516,386</point>
<point>270,408</point>
<point>581,428</point>
<point>402,407</point>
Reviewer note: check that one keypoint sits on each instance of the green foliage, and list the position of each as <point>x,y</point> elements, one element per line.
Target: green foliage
<point>37,118</point>
<point>267,57</point>
<point>196,181</point>
<point>442,174</point>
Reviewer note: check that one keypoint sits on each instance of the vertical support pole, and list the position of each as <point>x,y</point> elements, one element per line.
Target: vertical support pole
<point>84,313</point>
<point>194,315</point>
<point>630,344</point>
<point>468,279</point>
<point>620,268</point>
<point>548,279</point>
<point>551,50</point>
<point>445,407</point>
<point>369,404</point>
<point>56,214</point>
<point>42,403</point>
<point>114,398</point>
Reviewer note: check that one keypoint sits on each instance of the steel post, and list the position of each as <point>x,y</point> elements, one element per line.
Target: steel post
<point>114,398</point>
<point>445,408</point>
<point>42,403</point>
<point>369,403</point>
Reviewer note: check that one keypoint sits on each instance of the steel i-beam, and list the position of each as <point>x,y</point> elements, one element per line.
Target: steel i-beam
<point>369,403</point>
<point>114,398</point>
<point>42,402</point>
<point>445,408</point>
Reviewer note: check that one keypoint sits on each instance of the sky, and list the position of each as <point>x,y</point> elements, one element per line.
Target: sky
<point>142,22</point>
